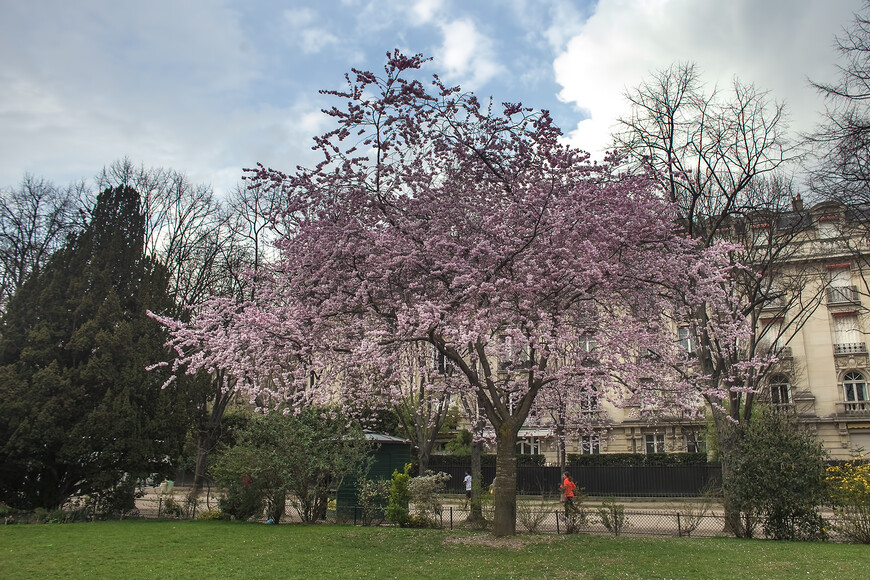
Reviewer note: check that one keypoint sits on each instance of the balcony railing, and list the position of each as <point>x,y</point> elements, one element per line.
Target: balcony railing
<point>842,295</point>
<point>851,348</point>
<point>858,408</point>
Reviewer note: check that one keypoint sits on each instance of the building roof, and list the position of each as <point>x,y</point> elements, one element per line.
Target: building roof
<point>383,438</point>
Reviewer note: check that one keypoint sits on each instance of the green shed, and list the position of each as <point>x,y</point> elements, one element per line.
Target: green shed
<point>389,454</point>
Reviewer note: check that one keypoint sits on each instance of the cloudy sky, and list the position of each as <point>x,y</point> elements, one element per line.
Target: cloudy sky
<point>211,86</point>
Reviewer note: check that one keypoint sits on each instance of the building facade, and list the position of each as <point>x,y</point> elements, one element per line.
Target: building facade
<point>822,372</point>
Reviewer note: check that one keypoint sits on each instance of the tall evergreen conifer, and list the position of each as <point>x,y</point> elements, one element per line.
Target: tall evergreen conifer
<point>81,414</point>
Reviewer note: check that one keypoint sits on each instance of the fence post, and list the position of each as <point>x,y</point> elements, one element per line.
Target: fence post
<point>451,517</point>
<point>159,505</point>
<point>679,527</point>
<point>558,531</point>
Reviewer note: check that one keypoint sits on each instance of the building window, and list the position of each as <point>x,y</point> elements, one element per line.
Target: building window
<point>655,443</point>
<point>761,235</point>
<point>686,339</point>
<point>855,387</point>
<point>828,228</point>
<point>442,364</point>
<point>771,335</point>
<point>590,445</point>
<point>779,390</point>
<point>587,342</point>
<point>848,338</point>
<point>695,443</point>
<point>589,401</point>
<point>529,446</point>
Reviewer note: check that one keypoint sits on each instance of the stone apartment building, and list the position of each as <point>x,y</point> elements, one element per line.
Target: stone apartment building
<point>823,370</point>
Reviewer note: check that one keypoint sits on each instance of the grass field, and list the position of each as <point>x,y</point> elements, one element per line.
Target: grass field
<point>160,550</point>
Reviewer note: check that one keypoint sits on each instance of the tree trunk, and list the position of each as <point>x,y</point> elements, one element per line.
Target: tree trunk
<point>730,437</point>
<point>477,486</point>
<point>560,443</point>
<point>205,442</point>
<point>208,436</point>
<point>423,459</point>
<point>505,488</point>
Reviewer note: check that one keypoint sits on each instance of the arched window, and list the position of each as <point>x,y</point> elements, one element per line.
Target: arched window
<point>855,387</point>
<point>779,390</point>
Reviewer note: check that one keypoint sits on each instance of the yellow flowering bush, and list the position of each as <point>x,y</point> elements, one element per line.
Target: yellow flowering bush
<point>849,488</point>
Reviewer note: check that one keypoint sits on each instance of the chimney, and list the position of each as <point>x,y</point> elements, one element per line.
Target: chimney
<point>797,203</point>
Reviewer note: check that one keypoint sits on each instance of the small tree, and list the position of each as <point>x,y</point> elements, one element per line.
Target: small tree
<point>779,477</point>
<point>306,456</point>
<point>400,497</point>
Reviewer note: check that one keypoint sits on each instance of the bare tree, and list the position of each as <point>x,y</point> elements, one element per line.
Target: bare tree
<point>35,219</point>
<point>839,160</point>
<point>255,223</point>
<point>186,229</point>
<point>210,248</point>
<point>721,156</point>
<point>841,145</point>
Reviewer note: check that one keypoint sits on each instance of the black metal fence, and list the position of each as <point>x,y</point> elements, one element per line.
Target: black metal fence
<point>617,481</point>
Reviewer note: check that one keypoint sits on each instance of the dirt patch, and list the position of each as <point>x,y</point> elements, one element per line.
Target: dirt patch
<point>509,542</point>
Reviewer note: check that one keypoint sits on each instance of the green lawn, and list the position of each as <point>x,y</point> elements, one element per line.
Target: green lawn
<point>192,550</point>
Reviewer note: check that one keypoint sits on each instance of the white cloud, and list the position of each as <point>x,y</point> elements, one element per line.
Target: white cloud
<point>775,44</point>
<point>424,11</point>
<point>164,83</point>
<point>299,17</point>
<point>305,30</point>
<point>466,54</point>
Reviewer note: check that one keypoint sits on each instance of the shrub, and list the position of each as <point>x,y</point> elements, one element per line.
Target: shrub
<point>849,490</point>
<point>531,515</point>
<point>400,497</point>
<point>242,502</point>
<point>303,456</point>
<point>373,496</point>
<point>778,475</point>
<point>637,459</point>
<point>114,500</point>
<point>690,514</point>
<point>212,514</point>
<point>171,508</point>
<point>612,516</point>
<point>426,496</point>
<point>443,460</point>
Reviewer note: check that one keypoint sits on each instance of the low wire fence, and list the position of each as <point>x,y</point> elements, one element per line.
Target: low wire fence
<point>688,518</point>
<point>588,521</point>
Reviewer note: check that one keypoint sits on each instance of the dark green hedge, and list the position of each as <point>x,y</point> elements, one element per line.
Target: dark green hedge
<point>485,459</point>
<point>638,459</point>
